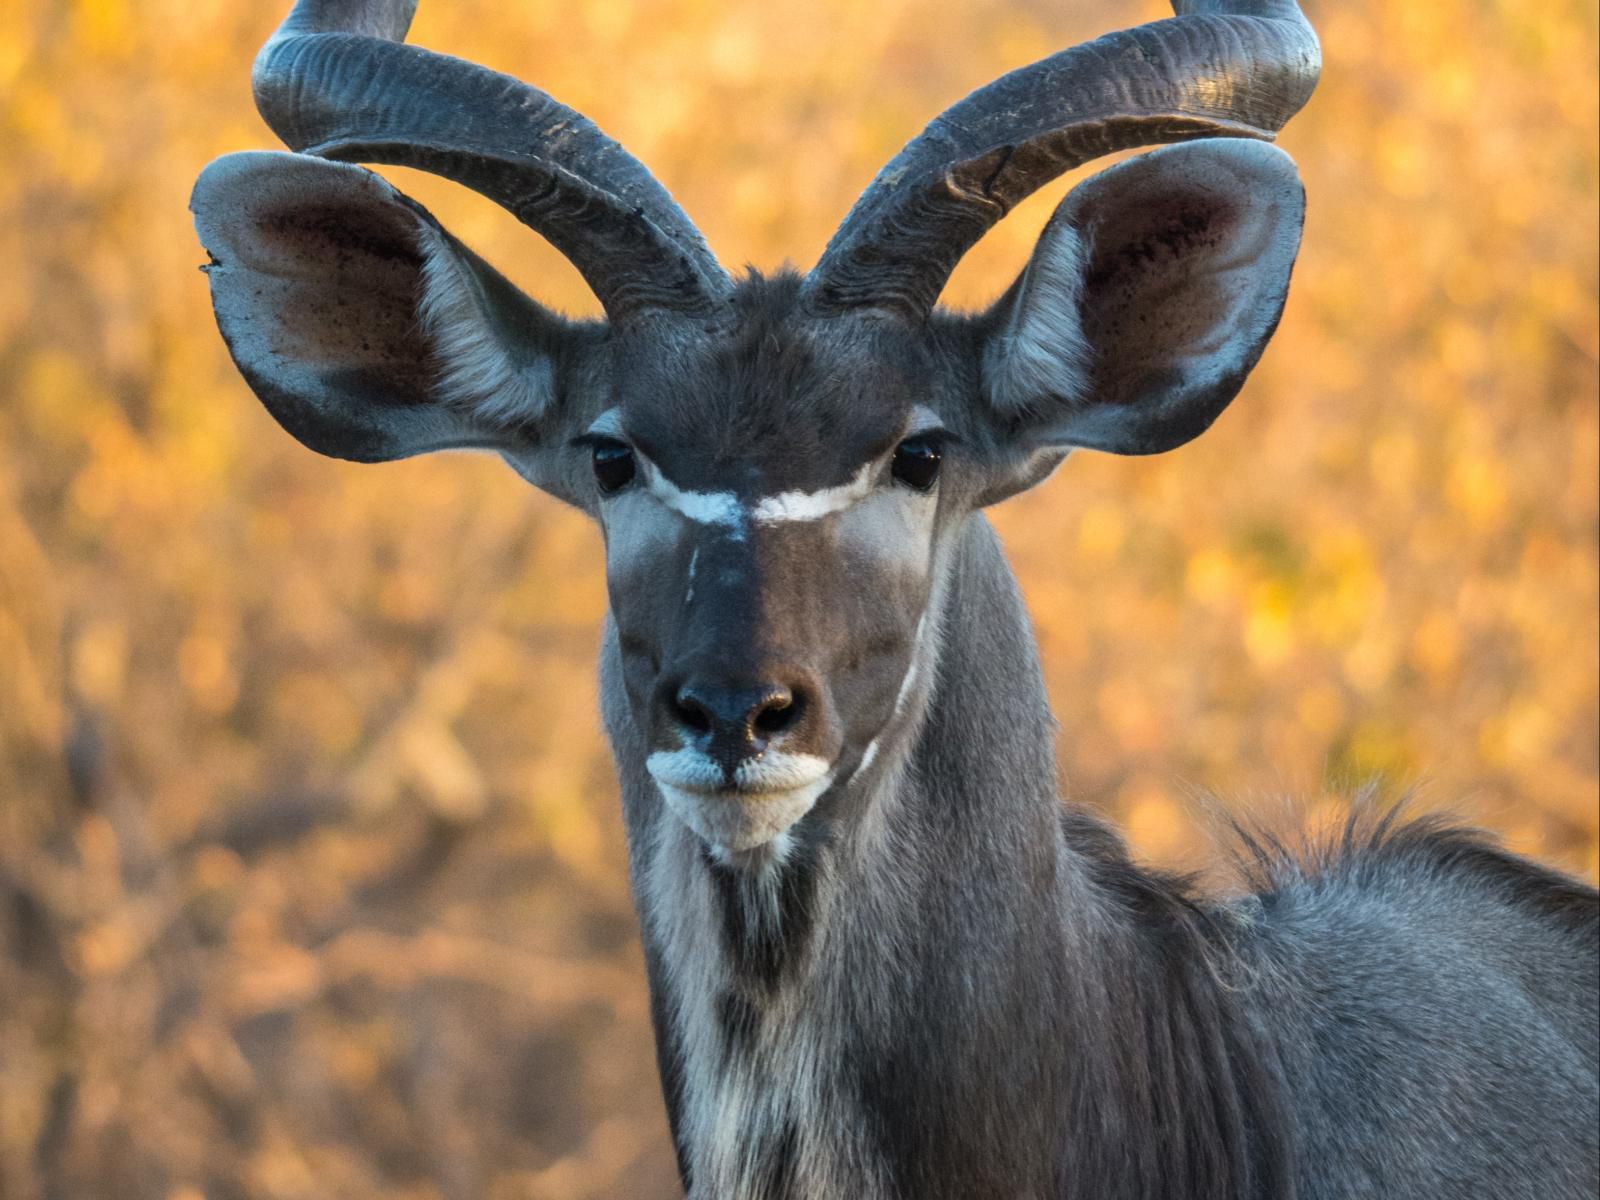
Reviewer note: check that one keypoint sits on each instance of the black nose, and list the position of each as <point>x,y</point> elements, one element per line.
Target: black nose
<point>735,723</point>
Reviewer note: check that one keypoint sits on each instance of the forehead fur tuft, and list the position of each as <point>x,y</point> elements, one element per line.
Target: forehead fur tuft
<point>778,399</point>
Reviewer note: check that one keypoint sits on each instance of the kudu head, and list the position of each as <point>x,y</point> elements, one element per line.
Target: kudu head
<point>778,464</point>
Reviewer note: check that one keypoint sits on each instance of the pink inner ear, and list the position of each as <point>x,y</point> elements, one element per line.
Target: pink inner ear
<point>336,291</point>
<point>1162,283</point>
<point>360,323</point>
<point>315,276</point>
<point>1189,252</point>
<point>1153,292</point>
<point>1188,255</point>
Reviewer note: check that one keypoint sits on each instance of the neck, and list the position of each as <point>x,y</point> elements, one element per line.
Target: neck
<point>940,984</point>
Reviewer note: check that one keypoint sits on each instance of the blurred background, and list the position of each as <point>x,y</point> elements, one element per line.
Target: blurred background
<point>311,870</point>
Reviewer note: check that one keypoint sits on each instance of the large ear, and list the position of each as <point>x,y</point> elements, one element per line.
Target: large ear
<point>367,330</point>
<point>1151,294</point>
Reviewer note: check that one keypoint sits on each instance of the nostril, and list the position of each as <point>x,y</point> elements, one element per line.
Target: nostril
<point>733,722</point>
<point>776,714</point>
<point>691,714</point>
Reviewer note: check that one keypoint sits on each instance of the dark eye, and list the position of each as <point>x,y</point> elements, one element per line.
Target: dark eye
<point>916,463</point>
<point>613,466</point>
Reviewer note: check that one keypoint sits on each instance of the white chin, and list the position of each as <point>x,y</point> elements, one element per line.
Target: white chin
<point>734,821</point>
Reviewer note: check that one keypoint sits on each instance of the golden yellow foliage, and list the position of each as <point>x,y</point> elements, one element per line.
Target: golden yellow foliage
<point>311,875</point>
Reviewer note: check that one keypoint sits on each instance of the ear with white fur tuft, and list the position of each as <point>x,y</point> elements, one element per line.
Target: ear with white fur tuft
<point>1152,293</point>
<point>367,330</point>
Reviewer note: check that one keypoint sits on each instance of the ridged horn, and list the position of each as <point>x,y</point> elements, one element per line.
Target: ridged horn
<point>336,81</point>
<point>1220,68</point>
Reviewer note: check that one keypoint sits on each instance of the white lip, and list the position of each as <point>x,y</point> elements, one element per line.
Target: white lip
<point>770,794</point>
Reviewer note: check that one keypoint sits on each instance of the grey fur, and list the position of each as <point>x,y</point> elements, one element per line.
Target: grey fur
<point>1004,1004</point>
<point>885,962</point>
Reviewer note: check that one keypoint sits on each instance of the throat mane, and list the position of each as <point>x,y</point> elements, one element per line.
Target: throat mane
<point>766,909</point>
<point>761,1113</point>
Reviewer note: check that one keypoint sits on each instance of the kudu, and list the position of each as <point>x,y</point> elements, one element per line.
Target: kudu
<point>884,960</point>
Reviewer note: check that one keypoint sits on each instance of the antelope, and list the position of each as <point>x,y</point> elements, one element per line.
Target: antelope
<point>884,959</point>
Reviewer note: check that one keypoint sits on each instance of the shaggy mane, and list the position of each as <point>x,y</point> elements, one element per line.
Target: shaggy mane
<point>1378,842</point>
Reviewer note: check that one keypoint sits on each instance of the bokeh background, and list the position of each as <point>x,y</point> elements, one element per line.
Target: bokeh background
<point>311,871</point>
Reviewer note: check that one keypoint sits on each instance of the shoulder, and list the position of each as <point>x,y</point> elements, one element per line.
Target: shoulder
<point>1388,862</point>
<point>1420,932</point>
